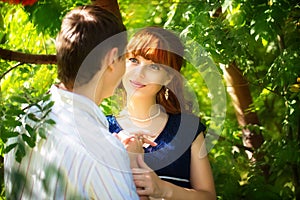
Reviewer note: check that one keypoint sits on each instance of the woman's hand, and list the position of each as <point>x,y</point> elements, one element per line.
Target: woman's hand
<point>147,182</point>
<point>132,142</point>
<point>134,147</point>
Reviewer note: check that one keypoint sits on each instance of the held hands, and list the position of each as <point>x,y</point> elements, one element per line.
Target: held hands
<point>147,182</point>
<point>134,142</point>
<point>134,146</point>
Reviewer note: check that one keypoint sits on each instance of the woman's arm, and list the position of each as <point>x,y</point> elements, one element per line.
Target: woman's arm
<point>201,174</point>
<point>201,178</point>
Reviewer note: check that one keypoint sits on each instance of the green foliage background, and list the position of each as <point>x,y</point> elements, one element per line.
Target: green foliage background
<point>262,37</point>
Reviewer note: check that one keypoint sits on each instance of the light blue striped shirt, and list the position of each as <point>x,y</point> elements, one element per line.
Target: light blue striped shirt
<point>79,159</point>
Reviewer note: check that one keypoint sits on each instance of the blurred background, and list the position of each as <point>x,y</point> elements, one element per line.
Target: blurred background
<point>254,46</point>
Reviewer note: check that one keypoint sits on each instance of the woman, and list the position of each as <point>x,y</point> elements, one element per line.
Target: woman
<point>155,106</point>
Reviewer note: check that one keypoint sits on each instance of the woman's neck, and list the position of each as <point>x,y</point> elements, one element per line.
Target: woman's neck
<point>142,108</point>
<point>143,115</point>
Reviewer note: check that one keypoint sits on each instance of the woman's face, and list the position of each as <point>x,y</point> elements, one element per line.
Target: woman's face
<point>144,77</point>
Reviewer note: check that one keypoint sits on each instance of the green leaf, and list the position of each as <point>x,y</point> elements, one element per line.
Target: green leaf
<point>24,70</point>
<point>50,67</point>
<point>19,99</point>
<point>50,121</point>
<point>2,28</point>
<point>48,106</point>
<point>46,114</point>
<point>8,134</point>
<point>51,21</point>
<point>33,117</point>
<point>12,123</point>
<point>28,140</point>
<point>42,132</point>
<point>10,147</point>
<point>20,153</point>
<point>46,97</point>
<point>30,130</point>
<point>15,112</point>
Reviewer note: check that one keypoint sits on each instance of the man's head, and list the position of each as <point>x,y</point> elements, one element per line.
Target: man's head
<point>83,29</point>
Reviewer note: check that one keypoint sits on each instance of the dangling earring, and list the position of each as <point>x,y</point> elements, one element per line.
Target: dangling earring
<point>167,93</point>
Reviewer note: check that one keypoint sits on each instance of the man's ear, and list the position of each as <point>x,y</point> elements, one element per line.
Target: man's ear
<point>110,58</point>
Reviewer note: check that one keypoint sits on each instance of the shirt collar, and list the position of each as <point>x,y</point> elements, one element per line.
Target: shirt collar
<point>71,99</point>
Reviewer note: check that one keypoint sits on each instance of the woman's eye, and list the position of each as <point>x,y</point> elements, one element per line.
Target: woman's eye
<point>155,67</point>
<point>134,60</point>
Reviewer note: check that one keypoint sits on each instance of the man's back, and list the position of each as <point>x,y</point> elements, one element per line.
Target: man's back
<point>78,160</point>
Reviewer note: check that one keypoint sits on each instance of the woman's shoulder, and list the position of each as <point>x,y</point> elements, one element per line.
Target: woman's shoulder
<point>188,120</point>
<point>114,126</point>
<point>111,117</point>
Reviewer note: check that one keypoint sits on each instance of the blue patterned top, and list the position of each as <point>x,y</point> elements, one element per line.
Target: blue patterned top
<point>171,158</point>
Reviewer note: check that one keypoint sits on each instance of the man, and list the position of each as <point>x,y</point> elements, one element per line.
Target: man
<point>79,159</point>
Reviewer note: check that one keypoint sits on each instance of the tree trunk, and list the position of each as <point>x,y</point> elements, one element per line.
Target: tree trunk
<point>238,89</point>
<point>110,5</point>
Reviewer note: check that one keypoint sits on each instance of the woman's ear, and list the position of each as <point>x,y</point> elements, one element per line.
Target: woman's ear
<point>168,79</point>
<point>110,58</point>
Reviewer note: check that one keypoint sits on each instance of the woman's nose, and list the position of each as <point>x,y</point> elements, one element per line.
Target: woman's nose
<point>141,71</point>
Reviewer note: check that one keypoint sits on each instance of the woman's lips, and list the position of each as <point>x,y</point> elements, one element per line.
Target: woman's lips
<point>137,84</point>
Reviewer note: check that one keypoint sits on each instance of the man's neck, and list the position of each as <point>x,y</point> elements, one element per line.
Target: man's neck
<point>63,87</point>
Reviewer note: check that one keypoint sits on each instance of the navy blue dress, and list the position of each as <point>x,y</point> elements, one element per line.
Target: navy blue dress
<point>171,158</point>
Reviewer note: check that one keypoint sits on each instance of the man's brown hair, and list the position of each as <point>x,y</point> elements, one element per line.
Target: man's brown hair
<point>82,29</point>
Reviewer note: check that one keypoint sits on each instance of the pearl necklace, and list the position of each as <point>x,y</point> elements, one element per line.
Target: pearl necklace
<point>147,119</point>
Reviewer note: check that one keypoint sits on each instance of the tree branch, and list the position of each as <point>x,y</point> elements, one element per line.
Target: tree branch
<point>110,5</point>
<point>27,58</point>
<point>15,66</point>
